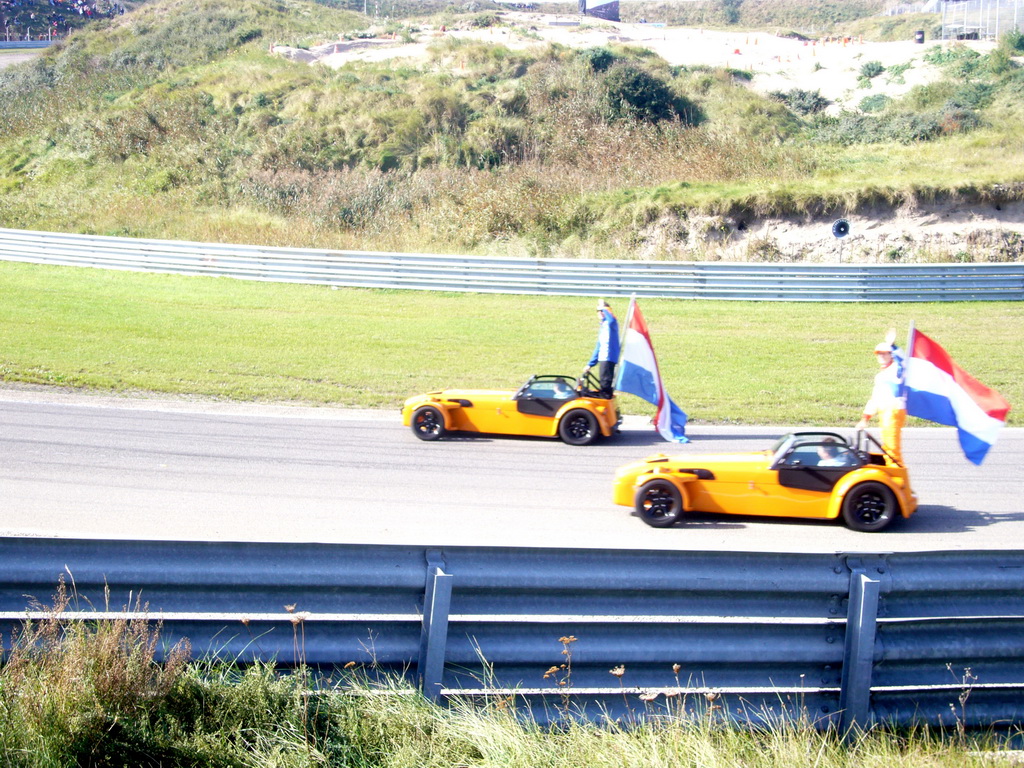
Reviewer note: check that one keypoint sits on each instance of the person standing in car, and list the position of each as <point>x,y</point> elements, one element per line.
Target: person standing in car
<point>887,400</point>
<point>606,351</point>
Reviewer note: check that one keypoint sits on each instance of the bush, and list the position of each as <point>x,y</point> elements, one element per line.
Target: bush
<point>874,103</point>
<point>1013,42</point>
<point>958,62</point>
<point>871,69</point>
<point>491,141</point>
<point>971,96</point>
<point>635,93</point>
<point>485,20</point>
<point>897,71</point>
<point>1000,61</point>
<point>800,101</point>
<point>902,127</point>
<point>599,59</point>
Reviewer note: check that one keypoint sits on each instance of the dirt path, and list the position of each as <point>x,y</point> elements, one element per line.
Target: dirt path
<point>10,58</point>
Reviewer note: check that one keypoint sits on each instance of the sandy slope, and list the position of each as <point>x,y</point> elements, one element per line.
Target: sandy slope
<point>778,63</point>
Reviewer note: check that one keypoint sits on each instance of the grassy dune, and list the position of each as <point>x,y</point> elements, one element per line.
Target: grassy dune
<point>479,149</point>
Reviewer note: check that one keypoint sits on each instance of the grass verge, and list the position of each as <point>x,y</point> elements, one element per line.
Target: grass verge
<point>723,362</point>
<point>93,693</point>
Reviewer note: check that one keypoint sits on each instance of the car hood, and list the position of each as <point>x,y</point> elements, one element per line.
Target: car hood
<point>470,394</point>
<point>704,460</point>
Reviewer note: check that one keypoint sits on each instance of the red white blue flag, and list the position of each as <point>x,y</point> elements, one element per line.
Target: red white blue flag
<point>939,390</point>
<point>638,374</point>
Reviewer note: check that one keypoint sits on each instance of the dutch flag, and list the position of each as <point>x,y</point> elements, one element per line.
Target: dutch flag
<point>638,375</point>
<point>939,390</point>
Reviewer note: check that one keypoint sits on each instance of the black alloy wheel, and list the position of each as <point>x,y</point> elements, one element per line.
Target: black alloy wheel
<point>428,423</point>
<point>658,503</point>
<point>578,427</point>
<point>869,506</point>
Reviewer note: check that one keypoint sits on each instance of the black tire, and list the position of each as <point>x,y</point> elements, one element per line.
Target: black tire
<point>428,423</point>
<point>658,503</point>
<point>578,427</point>
<point>869,507</point>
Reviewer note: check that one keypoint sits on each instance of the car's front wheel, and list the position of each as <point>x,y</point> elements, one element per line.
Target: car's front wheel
<point>578,427</point>
<point>428,423</point>
<point>658,503</point>
<point>869,507</point>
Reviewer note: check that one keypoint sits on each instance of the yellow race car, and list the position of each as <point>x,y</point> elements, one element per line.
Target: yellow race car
<point>545,406</point>
<point>805,474</point>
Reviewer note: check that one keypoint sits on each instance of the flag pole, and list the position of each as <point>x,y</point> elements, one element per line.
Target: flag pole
<point>629,319</point>
<point>622,339</point>
<point>910,345</point>
<point>902,370</point>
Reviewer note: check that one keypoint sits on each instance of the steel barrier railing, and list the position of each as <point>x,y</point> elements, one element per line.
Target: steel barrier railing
<point>17,44</point>
<point>566,277</point>
<point>839,638</point>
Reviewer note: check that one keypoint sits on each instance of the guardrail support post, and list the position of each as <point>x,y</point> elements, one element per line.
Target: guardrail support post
<point>434,633</point>
<point>859,653</point>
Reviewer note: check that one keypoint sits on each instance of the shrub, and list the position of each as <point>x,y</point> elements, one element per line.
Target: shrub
<point>488,19</point>
<point>490,142</point>
<point>958,62</point>
<point>874,103</point>
<point>971,96</point>
<point>1000,61</point>
<point>599,59</point>
<point>871,69</point>
<point>897,71</point>
<point>765,249</point>
<point>635,93</point>
<point>902,127</point>
<point>1012,42</point>
<point>800,101</point>
<point>958,120</point>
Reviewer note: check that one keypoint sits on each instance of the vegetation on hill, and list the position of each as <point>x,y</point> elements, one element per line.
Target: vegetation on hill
<point>903,26</point>
<point>479,148</point>
<point>808,16</point>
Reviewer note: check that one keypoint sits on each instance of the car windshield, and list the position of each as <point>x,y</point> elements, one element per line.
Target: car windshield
<point>550,388</point>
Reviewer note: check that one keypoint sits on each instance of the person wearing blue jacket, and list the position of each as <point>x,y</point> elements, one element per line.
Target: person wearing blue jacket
<point>606,351</point>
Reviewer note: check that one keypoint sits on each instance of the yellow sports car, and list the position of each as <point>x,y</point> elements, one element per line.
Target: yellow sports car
<point>545,406</point>
<point>805,474</point>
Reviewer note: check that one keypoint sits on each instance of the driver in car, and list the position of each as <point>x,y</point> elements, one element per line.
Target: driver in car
<point>829,454</point>
<point>561,390</point>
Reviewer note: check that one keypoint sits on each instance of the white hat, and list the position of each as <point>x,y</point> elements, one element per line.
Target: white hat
<point>883,347</point>
<point>602,304</point>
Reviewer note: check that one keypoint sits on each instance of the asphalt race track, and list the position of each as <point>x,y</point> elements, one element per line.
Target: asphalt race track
<point>96,467</point>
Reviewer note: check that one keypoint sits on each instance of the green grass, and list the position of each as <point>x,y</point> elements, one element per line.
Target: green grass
<point>91,693</point>
<point>723,362</point>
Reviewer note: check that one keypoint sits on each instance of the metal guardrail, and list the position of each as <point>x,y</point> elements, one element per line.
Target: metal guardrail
<point>566,277</point>
<point>17,44</point>
<point>843,638</point>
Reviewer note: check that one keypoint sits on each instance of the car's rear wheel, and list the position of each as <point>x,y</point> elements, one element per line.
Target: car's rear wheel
<point>869,507</point>
<point>578,427</point>
<point>658,503</point>
<point>428,423</point>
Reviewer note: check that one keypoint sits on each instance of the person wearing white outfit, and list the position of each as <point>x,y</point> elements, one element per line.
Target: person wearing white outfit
<point>886,401</point>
